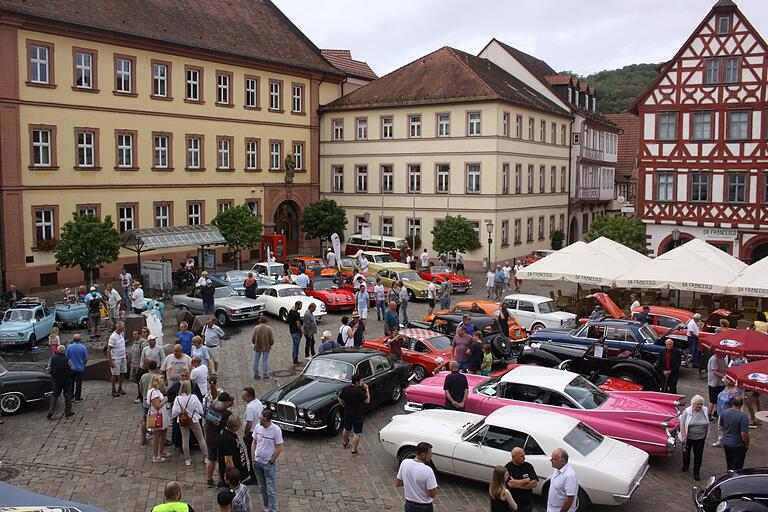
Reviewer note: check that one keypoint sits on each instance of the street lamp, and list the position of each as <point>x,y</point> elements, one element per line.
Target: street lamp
<point>489,227</point>
<point>675,238</point>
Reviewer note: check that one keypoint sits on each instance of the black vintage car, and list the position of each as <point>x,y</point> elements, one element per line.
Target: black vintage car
<point>582,359</point>
<point>310,401</point>
<point>735,491</point>
<point>18,387</point>
<point>501,346</point>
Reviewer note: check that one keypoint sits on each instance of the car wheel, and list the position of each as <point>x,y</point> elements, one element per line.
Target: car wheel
<point>222,318</point>
<point>284,315</point>
<point>84,323</point>
<point>419,373</point>
<point>536,327</point>
<point>11,403</point>
<point>407,452</point>
<point>411,295</point>
<point>334,421</point>
<point>183,308</point>
<point>32,342</point>
<point>501,346</point>
<point>623,375</point>
<point>397,393</point>
<point>584,502</point>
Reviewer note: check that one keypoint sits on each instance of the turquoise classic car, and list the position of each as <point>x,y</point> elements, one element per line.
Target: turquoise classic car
<point>28,322</point>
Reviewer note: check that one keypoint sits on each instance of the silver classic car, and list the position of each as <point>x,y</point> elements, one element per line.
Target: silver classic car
<point>228,306</point>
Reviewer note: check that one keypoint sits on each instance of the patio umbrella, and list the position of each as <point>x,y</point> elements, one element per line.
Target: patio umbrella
<point>576,263</point>
<point>738,342</point>
<point>751,376</point>
<point>753,281</point>
<point>618,251</point>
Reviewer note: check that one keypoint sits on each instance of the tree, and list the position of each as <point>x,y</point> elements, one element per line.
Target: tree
<point>240,228</point>
<point>454,234</point>
<point>630,233</point>
<point>558,237</point>
<point>88,243</point>
<point>618,88</point>
<point>324,218</point>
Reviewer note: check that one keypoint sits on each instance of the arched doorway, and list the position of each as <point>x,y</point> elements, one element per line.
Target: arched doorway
<point>759,252</point>
<point>668,243</point>
<point>287,223</point>
<point>573,231</point>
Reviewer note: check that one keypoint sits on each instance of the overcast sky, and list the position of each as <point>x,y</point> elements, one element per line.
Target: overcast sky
<point>583,37</point>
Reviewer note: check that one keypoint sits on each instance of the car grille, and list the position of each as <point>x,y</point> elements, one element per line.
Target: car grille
<point>286,411</point>
<point>9,338</point>
<point>252,308</point>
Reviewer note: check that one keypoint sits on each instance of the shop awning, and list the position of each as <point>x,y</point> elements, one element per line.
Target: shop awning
<point>141,240</point>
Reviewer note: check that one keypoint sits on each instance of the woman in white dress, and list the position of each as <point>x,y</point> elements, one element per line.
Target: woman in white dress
<point>156,401</point>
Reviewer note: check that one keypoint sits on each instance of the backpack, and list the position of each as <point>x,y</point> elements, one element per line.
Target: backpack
<point>185,420</point>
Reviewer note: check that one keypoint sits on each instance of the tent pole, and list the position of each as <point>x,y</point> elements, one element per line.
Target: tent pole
<point>677,292</point>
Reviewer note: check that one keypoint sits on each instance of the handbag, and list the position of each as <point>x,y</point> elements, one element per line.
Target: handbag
<point>185,420</point>
<point>154,420</point>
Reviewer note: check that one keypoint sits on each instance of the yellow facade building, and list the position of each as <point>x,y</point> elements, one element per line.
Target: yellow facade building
<point>156,114</point>
<point>449,134</point>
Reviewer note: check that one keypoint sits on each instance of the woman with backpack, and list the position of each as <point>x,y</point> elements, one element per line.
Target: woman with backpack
<point>189,411</point>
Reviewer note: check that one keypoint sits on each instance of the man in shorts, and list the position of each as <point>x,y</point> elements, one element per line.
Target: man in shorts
<point>352,398</point>
<point>431,295</point>
<point>93,303</point>
<point>116,355</point>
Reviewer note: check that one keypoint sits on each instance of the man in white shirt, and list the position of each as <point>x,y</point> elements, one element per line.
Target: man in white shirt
<point>330,258</point>
<point>418,480</point>
<point>115,301</point>
<point>635,303</point>
<point>517,268</point>
<point>253,410</point>
<point>199,375</point>
<point>212,335</point>
<point>345,331</point>
<point>203,278</point>
<point>692,329</point>
<point>137,299</point>
<point>424,260</point>
<point>363,263</point>
<point>459,262</point>
<point>431,295</point>
<point>507,269</point>
<point>125,279</point>
<point>564,486</point>
<point>302,280</point>
<point>116,355</point>
<point>267,447</point>
<point>378,292</point>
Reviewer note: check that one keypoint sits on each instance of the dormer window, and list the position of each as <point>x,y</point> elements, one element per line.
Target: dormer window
<point>576,98</point>
<point>724,24</point>
<point>594,103</point>
<point>570,95</point>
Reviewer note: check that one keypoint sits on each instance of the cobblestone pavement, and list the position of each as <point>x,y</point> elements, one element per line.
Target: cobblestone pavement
<point>94,457</point>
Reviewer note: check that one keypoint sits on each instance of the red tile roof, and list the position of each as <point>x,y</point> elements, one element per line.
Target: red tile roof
<point>342,59</point>
<point>559,79</point>
<point>252,29</point>
<point>446,75</point>
<point>629,143</point>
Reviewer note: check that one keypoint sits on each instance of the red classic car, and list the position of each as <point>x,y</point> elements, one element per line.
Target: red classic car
<point>370,281</point>
<point>421,348</point>
<point>334,298</point>
<point>459,284</point>
<point>644,419</point>
<point>310,263</point>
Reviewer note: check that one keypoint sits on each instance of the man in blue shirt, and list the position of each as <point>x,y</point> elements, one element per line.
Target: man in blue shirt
<point>78,357</point>
<point>184,338</point>
<point>302,280</point>
<point>499,279</point>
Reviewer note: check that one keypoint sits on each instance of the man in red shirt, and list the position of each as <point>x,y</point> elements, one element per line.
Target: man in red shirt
<point>668,367</point>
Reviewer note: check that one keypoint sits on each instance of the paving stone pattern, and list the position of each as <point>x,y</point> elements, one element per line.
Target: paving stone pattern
<point>95,457</point>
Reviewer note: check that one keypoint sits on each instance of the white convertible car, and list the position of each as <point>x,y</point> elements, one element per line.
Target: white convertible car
<point>280,298</point>
<point>470,445</point>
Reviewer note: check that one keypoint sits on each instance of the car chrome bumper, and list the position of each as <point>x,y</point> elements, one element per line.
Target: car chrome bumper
<point>297,426</point>
<point>246,316</point>
<point>695,496</point>
<point>623,498</point>
<point>413,407</point>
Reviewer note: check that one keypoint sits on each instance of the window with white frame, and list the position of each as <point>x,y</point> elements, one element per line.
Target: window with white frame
<point>563,180</point>
<point>541,228</point>
<point>414,227</point>
<point>543,131</point>
<point>443,125</point>
<point>44,223</point>
<point>529,230</point>
<point>224,206</point>
<point>162,215</point>
<point>251,92</point>
<point>387,226</point>
<point>297,98</point>
<point>517,231</point>
<point>194,214</point>
<point>194,148</point>
<point>542,177</point>
<point>160,80</point>
<point>505,232</point>
<point>274,95</point>
<point>667,126</point>
<point>125,150</point>
<point>251,154</point>
<point>124,72</point>
<point>665,186</point>
<point>337,172</point>
<point>275,150</point>
<point>737,188</point>
<point>505,178</point>
<point>84,70</point>
<point>699,187</point>
<point>222,88</point>
<point>193,85</point>
<point>254,207</point>
<point>387,128</point>
<point>41,147</point>
<point>126,218</point>
<point>298,156</point>
<point>723,24</point>
<point>86,148</point>
<point>338,129</point>
<point>731,70</point>
<point>473,178</point>
<point>161,144</point>
<point>553,178</point>
<point>519,126</point>
<point>360,223</point>
<point>414,178</point>
<point>414,126</point>
<point>443,178</point>
<point>39,65</point>
<point>711,71</point>
<point>88,210</point>
<point>473,123</point>
<point>387,179</point>
<point>224,151</point>
<point>518,178</point>
<point>551,225</point>
<point>505,124</point>
<point>362,128</point>
<point>702,125</point>
<point>529,180</point>
<point>531,124</point>
<point>561,222</point>
<point>562,134</point>
<point>554,133</point>
<point>738,125</point>
<point>361,179</point>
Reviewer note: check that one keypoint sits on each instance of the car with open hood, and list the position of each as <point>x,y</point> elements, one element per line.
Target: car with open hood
<point>644,419</point>
<point>29,321</point>
<point>370,282</point>
<point>471,445</point>
<point>310,401</point>
<point>22,386</point>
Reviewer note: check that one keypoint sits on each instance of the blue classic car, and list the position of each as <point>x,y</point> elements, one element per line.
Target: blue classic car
<point>620,336</point>
<point>28,322</point>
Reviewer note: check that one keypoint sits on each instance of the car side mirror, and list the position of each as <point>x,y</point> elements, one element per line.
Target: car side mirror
<point>33,320</point>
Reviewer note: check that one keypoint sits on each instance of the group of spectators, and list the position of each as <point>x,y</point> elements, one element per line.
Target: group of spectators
<point>501,279</point>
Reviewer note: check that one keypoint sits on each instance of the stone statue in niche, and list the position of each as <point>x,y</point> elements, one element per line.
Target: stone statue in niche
<point>290,166</point>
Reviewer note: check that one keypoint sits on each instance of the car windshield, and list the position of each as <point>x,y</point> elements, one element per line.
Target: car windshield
<point>370,280</point>
<point>440,342</point>
<point>223,291</point>
<point>329,369</point>
<point>438,269</point>
<point>382,258</point>
<point>290,292</point>
<point>348,262</point>
<point>271,270</point>
<point>314,263</point>
<point>583,439</point>
<point>585,393</point>
<point>488,388</point>
<point>408,276</point>
<point>648,334</point>
<point>237,276</point>
<point>18,315</point>
<point>547,307</point>
<point>323,284</point>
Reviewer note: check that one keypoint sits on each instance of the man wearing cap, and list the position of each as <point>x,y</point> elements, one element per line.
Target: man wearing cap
<point>137,298</point>
<point>152,352</point>
<point>692,328</point>
<point>327,343</point>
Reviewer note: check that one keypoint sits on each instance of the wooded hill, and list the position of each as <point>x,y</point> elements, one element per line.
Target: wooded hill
<point>618,88</point>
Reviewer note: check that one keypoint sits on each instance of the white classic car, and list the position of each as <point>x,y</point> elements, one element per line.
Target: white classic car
<point>280,298</point>
<point>227,305</point>
<point>470,445</point>
<point>535,312</point>
<point>264,269</point>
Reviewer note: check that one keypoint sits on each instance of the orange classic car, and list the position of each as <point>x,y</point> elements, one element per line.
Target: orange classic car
<point>486,307</point>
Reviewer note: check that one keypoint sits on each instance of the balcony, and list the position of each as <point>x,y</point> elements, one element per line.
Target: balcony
<point>587,194</point>
<point>592,154</point>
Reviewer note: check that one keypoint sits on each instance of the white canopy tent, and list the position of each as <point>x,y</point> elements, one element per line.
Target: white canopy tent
<point>752,282</point>
<point>576,263</point>
<point>620,252</point>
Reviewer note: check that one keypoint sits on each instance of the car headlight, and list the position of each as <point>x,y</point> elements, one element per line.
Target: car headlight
<point>232,311</point>
<point>311,415</point>
<point>272,407</point>
<point>337,299</point>
<point>322,306</point>
<point>721,506</point>
<point>20,334</point>
<point>302,412</point>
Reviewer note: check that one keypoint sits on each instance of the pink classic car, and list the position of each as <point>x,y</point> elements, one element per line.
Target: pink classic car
<point>644,419</point>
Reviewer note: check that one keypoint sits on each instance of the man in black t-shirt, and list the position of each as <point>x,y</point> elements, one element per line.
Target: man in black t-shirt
<point>522,480</point>
<point>352,398</point>
<point>476,353</point>
<point>231,453</point>
<point>294,327</point>
<point>456,388</point>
